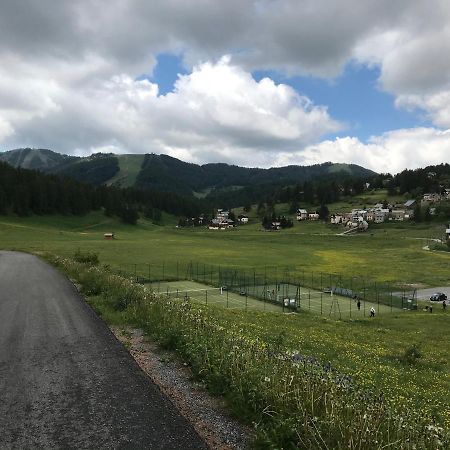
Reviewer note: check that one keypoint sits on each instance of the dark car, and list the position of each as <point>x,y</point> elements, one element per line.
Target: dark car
<point>438,297</point>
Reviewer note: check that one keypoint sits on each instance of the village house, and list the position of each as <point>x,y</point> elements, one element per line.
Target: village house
<point>242,219</point>
<point>221,221</point>
<point>313,216</point>
<point>398,215</point>
<point>432,197</point>
<point>302,214</point>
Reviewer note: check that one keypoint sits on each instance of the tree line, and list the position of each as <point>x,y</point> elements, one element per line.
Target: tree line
<point>25,192</point>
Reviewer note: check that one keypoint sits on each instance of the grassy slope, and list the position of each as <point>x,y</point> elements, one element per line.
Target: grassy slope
<point>391,252</point>
<point>130,165</point>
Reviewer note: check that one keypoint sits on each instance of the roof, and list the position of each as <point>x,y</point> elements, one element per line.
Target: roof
<point>410,203</point>
<point>302,211</point>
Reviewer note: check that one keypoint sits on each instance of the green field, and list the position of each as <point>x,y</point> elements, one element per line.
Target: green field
<point>392,252</point>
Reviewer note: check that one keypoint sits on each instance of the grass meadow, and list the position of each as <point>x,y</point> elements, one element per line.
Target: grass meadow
<point>281,372</point>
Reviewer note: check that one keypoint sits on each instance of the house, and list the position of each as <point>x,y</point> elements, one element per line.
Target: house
<point>109,236</point>
<point>242,219</point>
<point>380,215</point>
<point>336,219</point>
<point>398,215</point>
<point>431,197</point>
<point>359,213</point>
<point>313,216</point>
<point>447,193</point>
<point>409,204</point>
<point>221,221</point>
<point>302,214</point>
<point>447,233</point>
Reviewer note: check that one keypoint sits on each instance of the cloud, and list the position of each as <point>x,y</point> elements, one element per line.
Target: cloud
<point>217,112</point>
<point>391,152</point>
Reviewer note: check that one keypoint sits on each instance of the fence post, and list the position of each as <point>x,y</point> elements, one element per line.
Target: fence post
<point>309,299</point>
<point>321,304</point>
<point>364,298</point>
<point>206,296</point>
<point>246,301</point>
<point>391,297</point>
<point>227,298</point>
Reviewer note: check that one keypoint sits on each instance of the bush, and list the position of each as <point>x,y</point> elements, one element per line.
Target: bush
<point>411,355</point>
<point>86,258</point>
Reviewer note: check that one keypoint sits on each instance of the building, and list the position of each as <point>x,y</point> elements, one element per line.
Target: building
<point>398,215</point>
<point>432,197</point>
<point>242,219</point>
<point>409,204</point>
<point>313,216</point>
<point>302,214</point>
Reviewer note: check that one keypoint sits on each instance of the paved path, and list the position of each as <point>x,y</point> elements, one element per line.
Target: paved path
<point>65,381</point>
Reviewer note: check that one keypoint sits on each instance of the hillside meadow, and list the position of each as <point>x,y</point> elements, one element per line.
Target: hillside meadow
<point>391,252</point>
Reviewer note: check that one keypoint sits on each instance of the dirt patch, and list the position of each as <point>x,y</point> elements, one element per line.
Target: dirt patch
<point>207,414</point>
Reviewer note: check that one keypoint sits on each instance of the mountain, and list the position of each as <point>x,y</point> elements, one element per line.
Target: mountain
<point>37,159</point>
<point>167,174</point>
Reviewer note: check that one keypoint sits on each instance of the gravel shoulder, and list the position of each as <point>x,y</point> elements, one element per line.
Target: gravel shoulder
<point>208,414</point>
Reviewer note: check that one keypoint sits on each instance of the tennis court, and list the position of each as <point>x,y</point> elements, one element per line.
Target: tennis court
<point>272,297</point>
<point>209,295</point>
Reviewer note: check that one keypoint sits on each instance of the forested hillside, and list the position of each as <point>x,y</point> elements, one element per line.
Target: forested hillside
<point>164,173</point>
<point>24,192</point>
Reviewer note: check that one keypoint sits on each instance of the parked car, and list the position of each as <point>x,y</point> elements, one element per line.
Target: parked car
<point>438,297</point>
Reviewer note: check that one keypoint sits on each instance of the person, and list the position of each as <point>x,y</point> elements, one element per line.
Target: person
<point>444,305</point>
<point>358,304</point>
<point>430,308</point>
<point>372,312</point>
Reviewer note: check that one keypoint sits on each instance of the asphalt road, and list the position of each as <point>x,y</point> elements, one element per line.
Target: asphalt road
<point>65,381</point>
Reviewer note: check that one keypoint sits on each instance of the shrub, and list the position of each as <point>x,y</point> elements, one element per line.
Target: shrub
<point>86,257</point>
<point>411,355</point>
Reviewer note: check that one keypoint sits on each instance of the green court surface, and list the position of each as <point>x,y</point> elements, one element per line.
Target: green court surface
<point>203,293</point>
<point>265,297</point>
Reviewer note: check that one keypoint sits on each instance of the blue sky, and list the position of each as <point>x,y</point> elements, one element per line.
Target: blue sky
<point>353,98</point>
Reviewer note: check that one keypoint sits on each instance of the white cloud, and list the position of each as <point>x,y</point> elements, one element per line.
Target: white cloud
<point>218,112</point>
<point>391,152</point>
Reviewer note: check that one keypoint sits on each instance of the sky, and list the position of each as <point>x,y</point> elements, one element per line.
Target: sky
<point>258,83</point>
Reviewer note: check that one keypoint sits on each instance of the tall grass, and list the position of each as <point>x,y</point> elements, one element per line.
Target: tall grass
<point>293,401</point>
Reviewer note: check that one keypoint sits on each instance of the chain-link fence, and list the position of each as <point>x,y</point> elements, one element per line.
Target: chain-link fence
<point>293,288</point>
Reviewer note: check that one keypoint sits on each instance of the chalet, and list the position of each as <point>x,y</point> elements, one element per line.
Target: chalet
<point>359,213</point>
<point>302,214</point>
<point>431,197</point>
<point>398,215</point>
<point>313,216</point>
<point>242,219</point>
<point>380,215</point>
<point>336,219</point>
